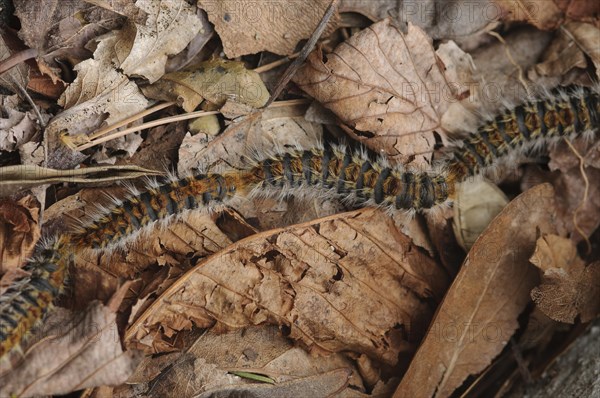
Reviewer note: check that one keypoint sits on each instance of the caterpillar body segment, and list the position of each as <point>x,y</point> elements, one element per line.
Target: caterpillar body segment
<point>126,218</point>
<point>351,176</point>
<point>27,300</point>
<point>572,112</point>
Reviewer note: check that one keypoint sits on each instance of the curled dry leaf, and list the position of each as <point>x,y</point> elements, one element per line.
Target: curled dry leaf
<point>71,352</point>
<point>276,26</point>
<point>18,128</point>
<point>479,313</point>
<point>569,288</point>
<point>216,81</point>
<point>349,282</point>
<point>169,27</point>
<point>384,85</point>
<point>19,230</point>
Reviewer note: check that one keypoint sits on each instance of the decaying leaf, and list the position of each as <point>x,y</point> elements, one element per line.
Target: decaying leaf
<point>215,81</point>
<point>19,231</point>
<point>318,280</point>
<point>247,27</point>
<point>389,88</point>
<point>569,288</point>
<point>143,49</point>
<point>60,30</point>
<point>72,351</point>
<point>479,313</point>
<point>585,37</point>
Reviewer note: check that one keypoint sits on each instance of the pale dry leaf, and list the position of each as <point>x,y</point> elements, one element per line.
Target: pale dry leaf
<point>18,128</point>
<point>389,89</point>
<point>569,288</point>
<point>475,205</point>
<point>143,49</point>
<point>319,279</point>
<point>326,384</point>
<point>19,231</point>
<point>248,27</point>
<point>71,352</point>
<point>479,313</point>
<point>259,349</point>
<point>100,93</point>
<point>216,81</point>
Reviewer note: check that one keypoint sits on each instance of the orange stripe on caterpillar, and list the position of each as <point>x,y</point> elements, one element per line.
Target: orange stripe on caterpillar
<point>571,112</point>
<point>27,300</point>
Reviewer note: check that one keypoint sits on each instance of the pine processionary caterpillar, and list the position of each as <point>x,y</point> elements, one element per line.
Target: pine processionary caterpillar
<point>329,171</point>
<point>28,299</point>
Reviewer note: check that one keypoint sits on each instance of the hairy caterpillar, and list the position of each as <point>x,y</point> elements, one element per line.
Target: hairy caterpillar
<point>28,299</point>
<point>330,171</point>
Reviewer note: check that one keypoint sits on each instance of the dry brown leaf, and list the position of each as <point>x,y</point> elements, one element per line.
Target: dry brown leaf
<point>216,81</point>
<point>569,288</point>
<point>248,27</point>
<point>19,231</point>
<point>576,213</point>
<point>59,29</point>
<point>18,75</point>
<point>142,50</point>
<point>561,56</point>
<point>587,38</point>
<point>318,279</point>
<point>479,313</point>
<point>389,88</point>
<point>71,352</point>
<point>543,14</point>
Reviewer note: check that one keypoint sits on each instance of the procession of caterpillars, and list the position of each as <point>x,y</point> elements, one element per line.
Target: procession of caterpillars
<point>328,171</point>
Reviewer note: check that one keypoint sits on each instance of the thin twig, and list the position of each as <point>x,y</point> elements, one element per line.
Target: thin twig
<point>308,47</point>
<point>275,64</point>
<point>512,60</point>
<point>130,119</point>
<point>167,120</point>
<point>17,58</point>
<point>25,94</point>
<point>585,195</point>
